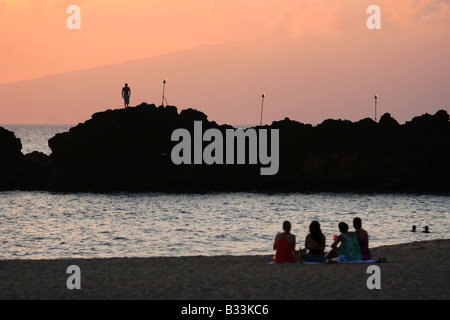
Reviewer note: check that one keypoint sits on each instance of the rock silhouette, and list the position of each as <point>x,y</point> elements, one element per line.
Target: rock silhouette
<point>129,150</point>
<point>10,157</point>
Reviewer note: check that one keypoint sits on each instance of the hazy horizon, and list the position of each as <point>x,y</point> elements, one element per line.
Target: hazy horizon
<point>314,60</point>
<point>244,125</point>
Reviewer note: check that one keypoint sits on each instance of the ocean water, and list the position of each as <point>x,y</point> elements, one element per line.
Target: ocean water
<point>35,137</point>
<point>38,225</point>
<point>46,225</point>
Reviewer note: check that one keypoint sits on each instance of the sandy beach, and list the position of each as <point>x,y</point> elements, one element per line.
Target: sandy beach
<point>417,270</point>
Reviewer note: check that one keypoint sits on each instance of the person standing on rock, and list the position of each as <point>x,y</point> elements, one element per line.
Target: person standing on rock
<point>126,93</point>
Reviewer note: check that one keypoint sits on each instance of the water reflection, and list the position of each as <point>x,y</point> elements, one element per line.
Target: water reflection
<point>36,225</point>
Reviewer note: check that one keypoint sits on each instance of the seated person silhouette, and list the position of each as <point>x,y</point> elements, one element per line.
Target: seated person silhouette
<point>284,245</point>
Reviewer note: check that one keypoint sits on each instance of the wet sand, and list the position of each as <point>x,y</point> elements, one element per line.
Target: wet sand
<point>418,270</point>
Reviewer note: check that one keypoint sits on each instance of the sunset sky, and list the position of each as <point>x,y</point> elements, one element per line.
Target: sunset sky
<point>280,43</point>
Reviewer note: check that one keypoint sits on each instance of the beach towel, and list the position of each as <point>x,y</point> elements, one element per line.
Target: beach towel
<point>342,261</point>
<point>358,261</point>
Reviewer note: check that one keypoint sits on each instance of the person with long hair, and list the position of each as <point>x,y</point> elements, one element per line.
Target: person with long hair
<point>284,245</point>
<point>315,243</point>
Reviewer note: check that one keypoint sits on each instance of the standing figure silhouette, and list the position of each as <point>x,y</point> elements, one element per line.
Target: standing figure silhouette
<point>126,93</point>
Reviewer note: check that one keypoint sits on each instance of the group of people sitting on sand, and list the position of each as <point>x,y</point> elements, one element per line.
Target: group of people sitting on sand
<point>348,246</point>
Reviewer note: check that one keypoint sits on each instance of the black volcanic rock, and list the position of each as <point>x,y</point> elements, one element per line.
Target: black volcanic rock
<point>10,157</point>
<point>130,150</point>
<point>10,147</point>
<point>388,122</point>
<point>33,173</point>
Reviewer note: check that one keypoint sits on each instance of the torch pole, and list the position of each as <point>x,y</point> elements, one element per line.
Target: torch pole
<point>164,89</point>
<point>376,98</point>
<point>262,108</point>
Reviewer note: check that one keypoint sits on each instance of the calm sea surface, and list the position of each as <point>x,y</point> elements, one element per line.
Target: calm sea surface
<point>35,137</point>
<point>44,225</point>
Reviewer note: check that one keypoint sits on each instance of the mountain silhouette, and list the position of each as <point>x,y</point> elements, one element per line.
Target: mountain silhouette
<point>303,81</point>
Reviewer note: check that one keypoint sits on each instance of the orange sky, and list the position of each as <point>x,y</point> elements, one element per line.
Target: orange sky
<point>35,42</point>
